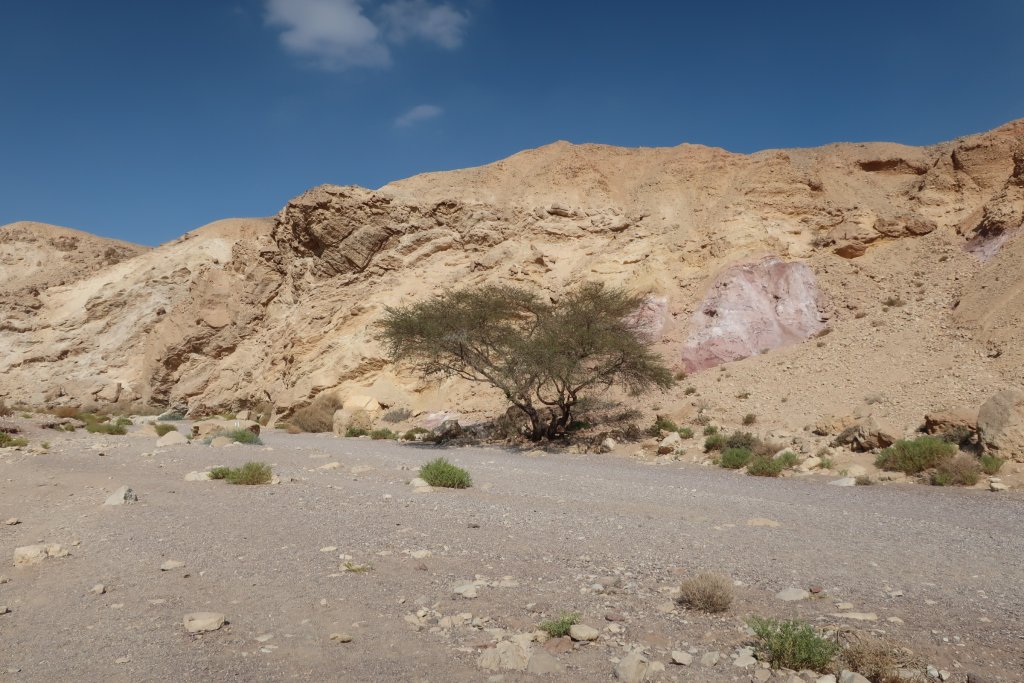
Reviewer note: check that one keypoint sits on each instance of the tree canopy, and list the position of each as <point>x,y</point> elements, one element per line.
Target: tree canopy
<point>542,356</point>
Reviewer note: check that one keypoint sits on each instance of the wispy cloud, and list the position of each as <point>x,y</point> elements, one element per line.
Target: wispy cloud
<point>339,34</point>
<point>439,24</point>
<point>421,112</point>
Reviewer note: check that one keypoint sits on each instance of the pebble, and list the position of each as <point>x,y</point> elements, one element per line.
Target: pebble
<point>845,481</point>
<point>466,590</point>
<point>4,609</point>
<point>170,565</point>
<point>98,589</point>
<point>341,637</point>
<point>197,476</point>
<point>202,622</point>
<point>682,658</point>
<point>857,616</point>
<point>12,521</point>
<point>122,496</point>
<point>542,663</point>
<point>583,633</point>
<point>792,595</point>
<point>710,658</point>
<point>997,486</point>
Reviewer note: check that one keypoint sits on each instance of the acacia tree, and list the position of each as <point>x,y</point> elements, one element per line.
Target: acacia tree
<point>542,356</point>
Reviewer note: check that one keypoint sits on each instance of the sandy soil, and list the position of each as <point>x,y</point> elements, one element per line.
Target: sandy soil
<point>541,527</point>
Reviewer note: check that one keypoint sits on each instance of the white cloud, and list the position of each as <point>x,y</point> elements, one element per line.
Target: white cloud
<point>421,112</point>
<point>335,33</point>
<point>440,24</point>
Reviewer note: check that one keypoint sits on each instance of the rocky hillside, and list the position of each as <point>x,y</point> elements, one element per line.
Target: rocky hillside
<point>814,279</point>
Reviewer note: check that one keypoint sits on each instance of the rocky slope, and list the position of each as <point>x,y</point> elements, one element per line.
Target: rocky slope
<point>837,273</point>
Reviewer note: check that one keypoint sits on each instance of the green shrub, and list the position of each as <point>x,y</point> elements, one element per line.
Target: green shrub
<point>715,442</point>
<point>356,431</point>
<point>396,415</point>
<point>686,433</point>
<point>381,434</point>
<point>917,455</point>
<point>8,441</point>
<point>662,424</point>
<point>990,464</point>
<point>171,416</point>
<point>827,462</point>
<point>706,592</point>
<point>735,458</point>
<point>105,428</point>
<point>220,472</point>
<point>963,470</point>
<point>414,432</point>
<point>749,419</point>
<point>788,459</point>
<point>249,474</point>
<point>442,473</point>
<point>792,644</point>
<point>765,467</point>
<point>243,436</point>
<point>162,429</point>
<point>690,391</point>
<point>557,628</point>
<point>710,430</point>
<point>741,440</point>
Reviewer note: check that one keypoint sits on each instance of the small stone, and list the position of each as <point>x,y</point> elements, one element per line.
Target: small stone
<point>633,668</point>
<point>328,549</point>
<point>34,554</point>
<point>583,633</point>
<point>844,605</point>
<point>710,658</point>
<point>852,677</point>
<point>174,438</point>
<point>614,616</point>
<point>744,661</point>
<point>845,481</point>
<point>221,441</point>
<point>420,554</point>
<point>12,521</point>
<point>608,445</point>
<point>857,616</point>
<point>4,609</point>
<point>171,565</point>
<point>122,496</point>
<point>98,589</point>
<point>682,658</point>
<point>558,646</point>
<point>418,483</point>
<point>827,678</point>
<point>762,675</point>
<point>330,466</point>
<point>341,637</point>
<point>202,622</point>
<point>197,476</point>
<point>122,660</point>
<point>542,663</point>
<point>264,638</point>
<point>997,486</point>
<point>466,590</point>
<point>792,595</point>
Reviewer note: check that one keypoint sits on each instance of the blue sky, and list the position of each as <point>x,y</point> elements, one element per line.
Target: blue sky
<point>144,119</point>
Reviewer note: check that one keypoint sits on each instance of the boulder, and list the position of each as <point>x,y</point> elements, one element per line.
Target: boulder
<point>449,429</point>
<point>946,421</point>
<point>583,633</point>
<point>608,445</point>
<point>358,402</point>
<point>867,433</point>
<point>633,668</point>
<point>221,441</point>
<point>207,428</point>
<point>34,554</point>
<point>507,655</point>
<point>174,438</point>
<point>1001,424</point>
<point>122,496</point>
<point>201,622</point>
<point>670,444</point>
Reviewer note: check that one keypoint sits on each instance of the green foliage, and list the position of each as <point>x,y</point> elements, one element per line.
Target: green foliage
<point>715,442</point>
<point>442,473</point>
<point>541,356</point>
<point>706,592</point>
<point>792,644</point>
<point>765,467</point>
<point>788,459</point>
<point>749,419</point>
<point>356,431</point>
<point>171,416</point>
<point>990,464</point>
<point>917,455</point>
<point>382,434</point>
<point>827,462</point>
<point>662,424</point>
<point>557,628</point>
<point>963,470</point>
<point>249,474</point>
<point>96,427</point>
<point>414,432</point>
<point>710,430</point>
<point>690,391</point>
<point>686,433</point>
<point>8,441</point>
<point>243,436</point>
<point>735,458</point>
<point>741,440</point>
<point>162,429</point>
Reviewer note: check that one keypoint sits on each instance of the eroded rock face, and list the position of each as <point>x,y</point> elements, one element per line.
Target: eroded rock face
<point>752,308</point>
<point>1001,424</point>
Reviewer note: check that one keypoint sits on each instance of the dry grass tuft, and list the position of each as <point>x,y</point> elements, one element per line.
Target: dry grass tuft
<point>318,416</point>
<point>706,592</point>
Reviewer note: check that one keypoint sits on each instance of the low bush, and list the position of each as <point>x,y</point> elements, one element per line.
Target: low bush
<point>396,415</point>
<point>106,428</point>
<point>710,430</point>
<point>67,411</point>
<point>690,391</point>
<point>873,658</point>
<point>171,416</point>
<point>662,424</point>
<point>735,458</point>
<point>686,433</point>
<point>381,434</point>
<point>792,644</point>
<point>243,436</point>
<point>990,464</point>
<point>788,459</point>
<point>963,470</point>
<point>4,410</point>
<point>749,419</point>
<point>714,442</point>
<point>442,473</point>
<point>162,429</point>
<point>356,431</point>
<point>706,592</point>
<point>318,416</point>
<point>557,628</point>
<point>249,474</point>
<point>9,441</point>
<point>414,432</point>
<point>917,455</point>
<point>765,467</point>
<point>741,440</point>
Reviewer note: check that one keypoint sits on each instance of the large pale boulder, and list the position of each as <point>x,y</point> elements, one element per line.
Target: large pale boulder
<point>1001,424</point>
<point>945,421</point>
<point>344,419</point>
<point>357,402</point>
<point>174,438</point>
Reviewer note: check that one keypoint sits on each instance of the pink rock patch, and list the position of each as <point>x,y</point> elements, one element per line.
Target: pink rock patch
<point>752,308</point>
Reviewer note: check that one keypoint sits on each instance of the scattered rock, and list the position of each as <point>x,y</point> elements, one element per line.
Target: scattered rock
<point>710,658</point>
<point>197,476</point>
<point>211,428</point>
<point>633,668</point>
<point>852,677</point>
<point>122,496</point>
<point>221,441</point>
<point>171,565</point>
<point>542,663</point>
<point>682,658</point>
<point>4,609</point>
<point>857,616</point>
<point>744,661</point>
<point>1001,424</point>
<point>98,589</point>
<point>558,646</point>
<point>608,445</point>
<point>466,590</point>
<point>670,443</point>
<point>845,481</point>
<point>584,633</point>
<point>997,486</point>
<point>201,622</point>
<point>945,421</point>
<point>507,655</point>
<point>341,637</point>
<point>12,521</point>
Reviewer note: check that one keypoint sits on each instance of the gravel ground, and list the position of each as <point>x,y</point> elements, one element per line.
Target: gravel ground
<point>550,525</point>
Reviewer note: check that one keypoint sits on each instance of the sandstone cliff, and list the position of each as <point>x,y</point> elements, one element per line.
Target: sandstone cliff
<point>901,265</point>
